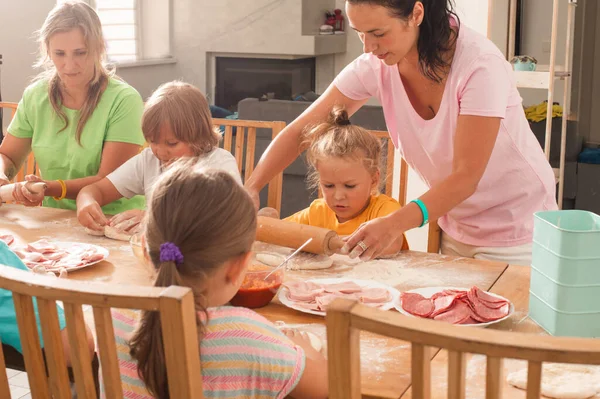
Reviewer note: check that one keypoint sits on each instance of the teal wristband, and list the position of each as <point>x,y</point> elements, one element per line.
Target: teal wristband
<point>423,211</point>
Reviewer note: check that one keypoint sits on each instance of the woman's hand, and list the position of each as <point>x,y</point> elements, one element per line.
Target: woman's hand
<point>23,196</point>
<point>128,221</point>
<point>90,215</point>
<point>372,238</point>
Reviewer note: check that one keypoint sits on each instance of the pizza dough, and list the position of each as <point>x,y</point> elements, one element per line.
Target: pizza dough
<point>110,232</point>
<point>115,234</point>
<point>98,233</point>
<point>269,259</point>
<point>307,261</point>
<point>563,381</point>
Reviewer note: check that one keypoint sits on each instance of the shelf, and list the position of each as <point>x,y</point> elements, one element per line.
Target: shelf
<point>538,79</point>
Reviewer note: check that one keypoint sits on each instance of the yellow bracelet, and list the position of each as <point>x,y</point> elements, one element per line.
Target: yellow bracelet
<point>63,187</point>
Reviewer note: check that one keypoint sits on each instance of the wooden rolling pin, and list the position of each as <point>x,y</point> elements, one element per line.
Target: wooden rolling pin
<point>292,235</point>
<point>6,191</point>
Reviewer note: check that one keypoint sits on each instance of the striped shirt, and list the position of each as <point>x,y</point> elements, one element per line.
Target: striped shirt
<point>243,355</point>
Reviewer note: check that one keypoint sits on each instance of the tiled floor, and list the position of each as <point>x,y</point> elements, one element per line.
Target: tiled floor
<point>19,386</point>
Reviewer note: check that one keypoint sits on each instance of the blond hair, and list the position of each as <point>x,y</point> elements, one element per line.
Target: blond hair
<point>66,17</point>
<point>186,110</point>
<point>337,137</point>
<point>211,219</point>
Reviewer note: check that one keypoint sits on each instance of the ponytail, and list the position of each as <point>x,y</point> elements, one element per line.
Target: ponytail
<point>147,344</point>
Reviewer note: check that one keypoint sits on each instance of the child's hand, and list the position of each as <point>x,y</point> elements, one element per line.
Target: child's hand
<point>301,339</point>
<point>91,216</point>
<point>254,196</point>
<point>128,221</point>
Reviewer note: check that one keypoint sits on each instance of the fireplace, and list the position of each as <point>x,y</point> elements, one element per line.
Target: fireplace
<point>239,78</point>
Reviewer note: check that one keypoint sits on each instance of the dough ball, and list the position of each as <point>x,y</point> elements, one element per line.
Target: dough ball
<point>98,233</point>
<point>115,234</point>
<point>307,261</point>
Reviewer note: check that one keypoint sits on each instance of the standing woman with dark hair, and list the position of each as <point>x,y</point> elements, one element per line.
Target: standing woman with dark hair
<point>452,108</point>
<point>80,121</point>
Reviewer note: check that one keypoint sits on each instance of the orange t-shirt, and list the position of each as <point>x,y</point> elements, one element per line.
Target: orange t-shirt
<point>320,215</point>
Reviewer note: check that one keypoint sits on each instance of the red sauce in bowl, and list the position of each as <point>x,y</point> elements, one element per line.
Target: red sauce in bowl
<point>255,291</point>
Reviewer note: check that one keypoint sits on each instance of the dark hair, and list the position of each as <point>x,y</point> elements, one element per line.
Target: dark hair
<point>436,36</point>
<point>211,219</point>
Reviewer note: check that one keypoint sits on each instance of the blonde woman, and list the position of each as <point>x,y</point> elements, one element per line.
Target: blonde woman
<point>80,122</point>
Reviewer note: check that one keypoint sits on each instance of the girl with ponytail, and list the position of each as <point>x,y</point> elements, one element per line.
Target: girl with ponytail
<point>452,108</point>
<point>199,231</point>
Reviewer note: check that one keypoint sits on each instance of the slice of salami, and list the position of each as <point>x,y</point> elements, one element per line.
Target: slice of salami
<point>457,314</point>
<point>417,304</point>
<point>442,304</point>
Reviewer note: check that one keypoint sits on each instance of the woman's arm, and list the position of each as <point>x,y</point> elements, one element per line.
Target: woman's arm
<point>473,145</point>
<point>285,148</point>
<point>114,154</point>
<point>13,152</point>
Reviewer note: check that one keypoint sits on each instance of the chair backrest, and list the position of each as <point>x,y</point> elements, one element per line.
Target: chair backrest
<point>245,147</point>
<point>30,166</point>
<point>345,319</point>
<point>178,322</point>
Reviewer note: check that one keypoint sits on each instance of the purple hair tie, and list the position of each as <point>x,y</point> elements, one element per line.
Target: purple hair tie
<point>170,252</point>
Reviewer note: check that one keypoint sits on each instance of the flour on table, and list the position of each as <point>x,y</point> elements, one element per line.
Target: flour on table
<point>563,381</point>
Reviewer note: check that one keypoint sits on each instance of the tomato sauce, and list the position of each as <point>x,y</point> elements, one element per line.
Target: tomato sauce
<point>255,291</point>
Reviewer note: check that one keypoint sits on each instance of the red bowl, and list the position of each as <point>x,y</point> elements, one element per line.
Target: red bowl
<point>256,291</point>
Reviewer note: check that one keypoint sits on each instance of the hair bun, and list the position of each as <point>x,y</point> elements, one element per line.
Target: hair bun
<point>339,116</point>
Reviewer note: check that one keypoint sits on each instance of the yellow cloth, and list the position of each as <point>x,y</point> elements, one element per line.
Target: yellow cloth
<point>537,113</point>
<point>320,215</point>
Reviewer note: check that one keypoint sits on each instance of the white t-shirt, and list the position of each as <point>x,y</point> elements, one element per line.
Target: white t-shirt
<point>137,175</point>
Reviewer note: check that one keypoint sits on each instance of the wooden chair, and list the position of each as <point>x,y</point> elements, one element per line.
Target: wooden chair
<point>30,167</point>
<point>345,319</point>
<point>178,321</point>
<point>246,132</point>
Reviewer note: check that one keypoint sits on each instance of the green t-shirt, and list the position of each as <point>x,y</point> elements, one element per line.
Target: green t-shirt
<point>117,117</point>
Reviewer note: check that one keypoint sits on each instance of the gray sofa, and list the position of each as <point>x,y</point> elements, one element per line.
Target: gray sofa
<point>295,195</point>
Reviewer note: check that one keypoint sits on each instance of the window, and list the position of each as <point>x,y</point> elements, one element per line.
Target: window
<point>120,25</point>
<point>135,30</point>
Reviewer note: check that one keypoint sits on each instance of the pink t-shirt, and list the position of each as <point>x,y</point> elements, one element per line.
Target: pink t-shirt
<point>518,180</point>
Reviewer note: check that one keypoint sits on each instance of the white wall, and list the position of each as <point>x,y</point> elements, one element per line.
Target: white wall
<point>18,22</point>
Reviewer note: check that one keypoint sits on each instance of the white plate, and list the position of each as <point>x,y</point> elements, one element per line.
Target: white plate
<point>69,245</point>
<point>282,294</point>
<point>427,292</point>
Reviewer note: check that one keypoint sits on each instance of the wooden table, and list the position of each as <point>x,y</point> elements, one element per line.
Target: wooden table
<point>385,366</point>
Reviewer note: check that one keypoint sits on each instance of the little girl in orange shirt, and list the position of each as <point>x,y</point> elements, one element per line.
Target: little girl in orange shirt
<point>344,163</point>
